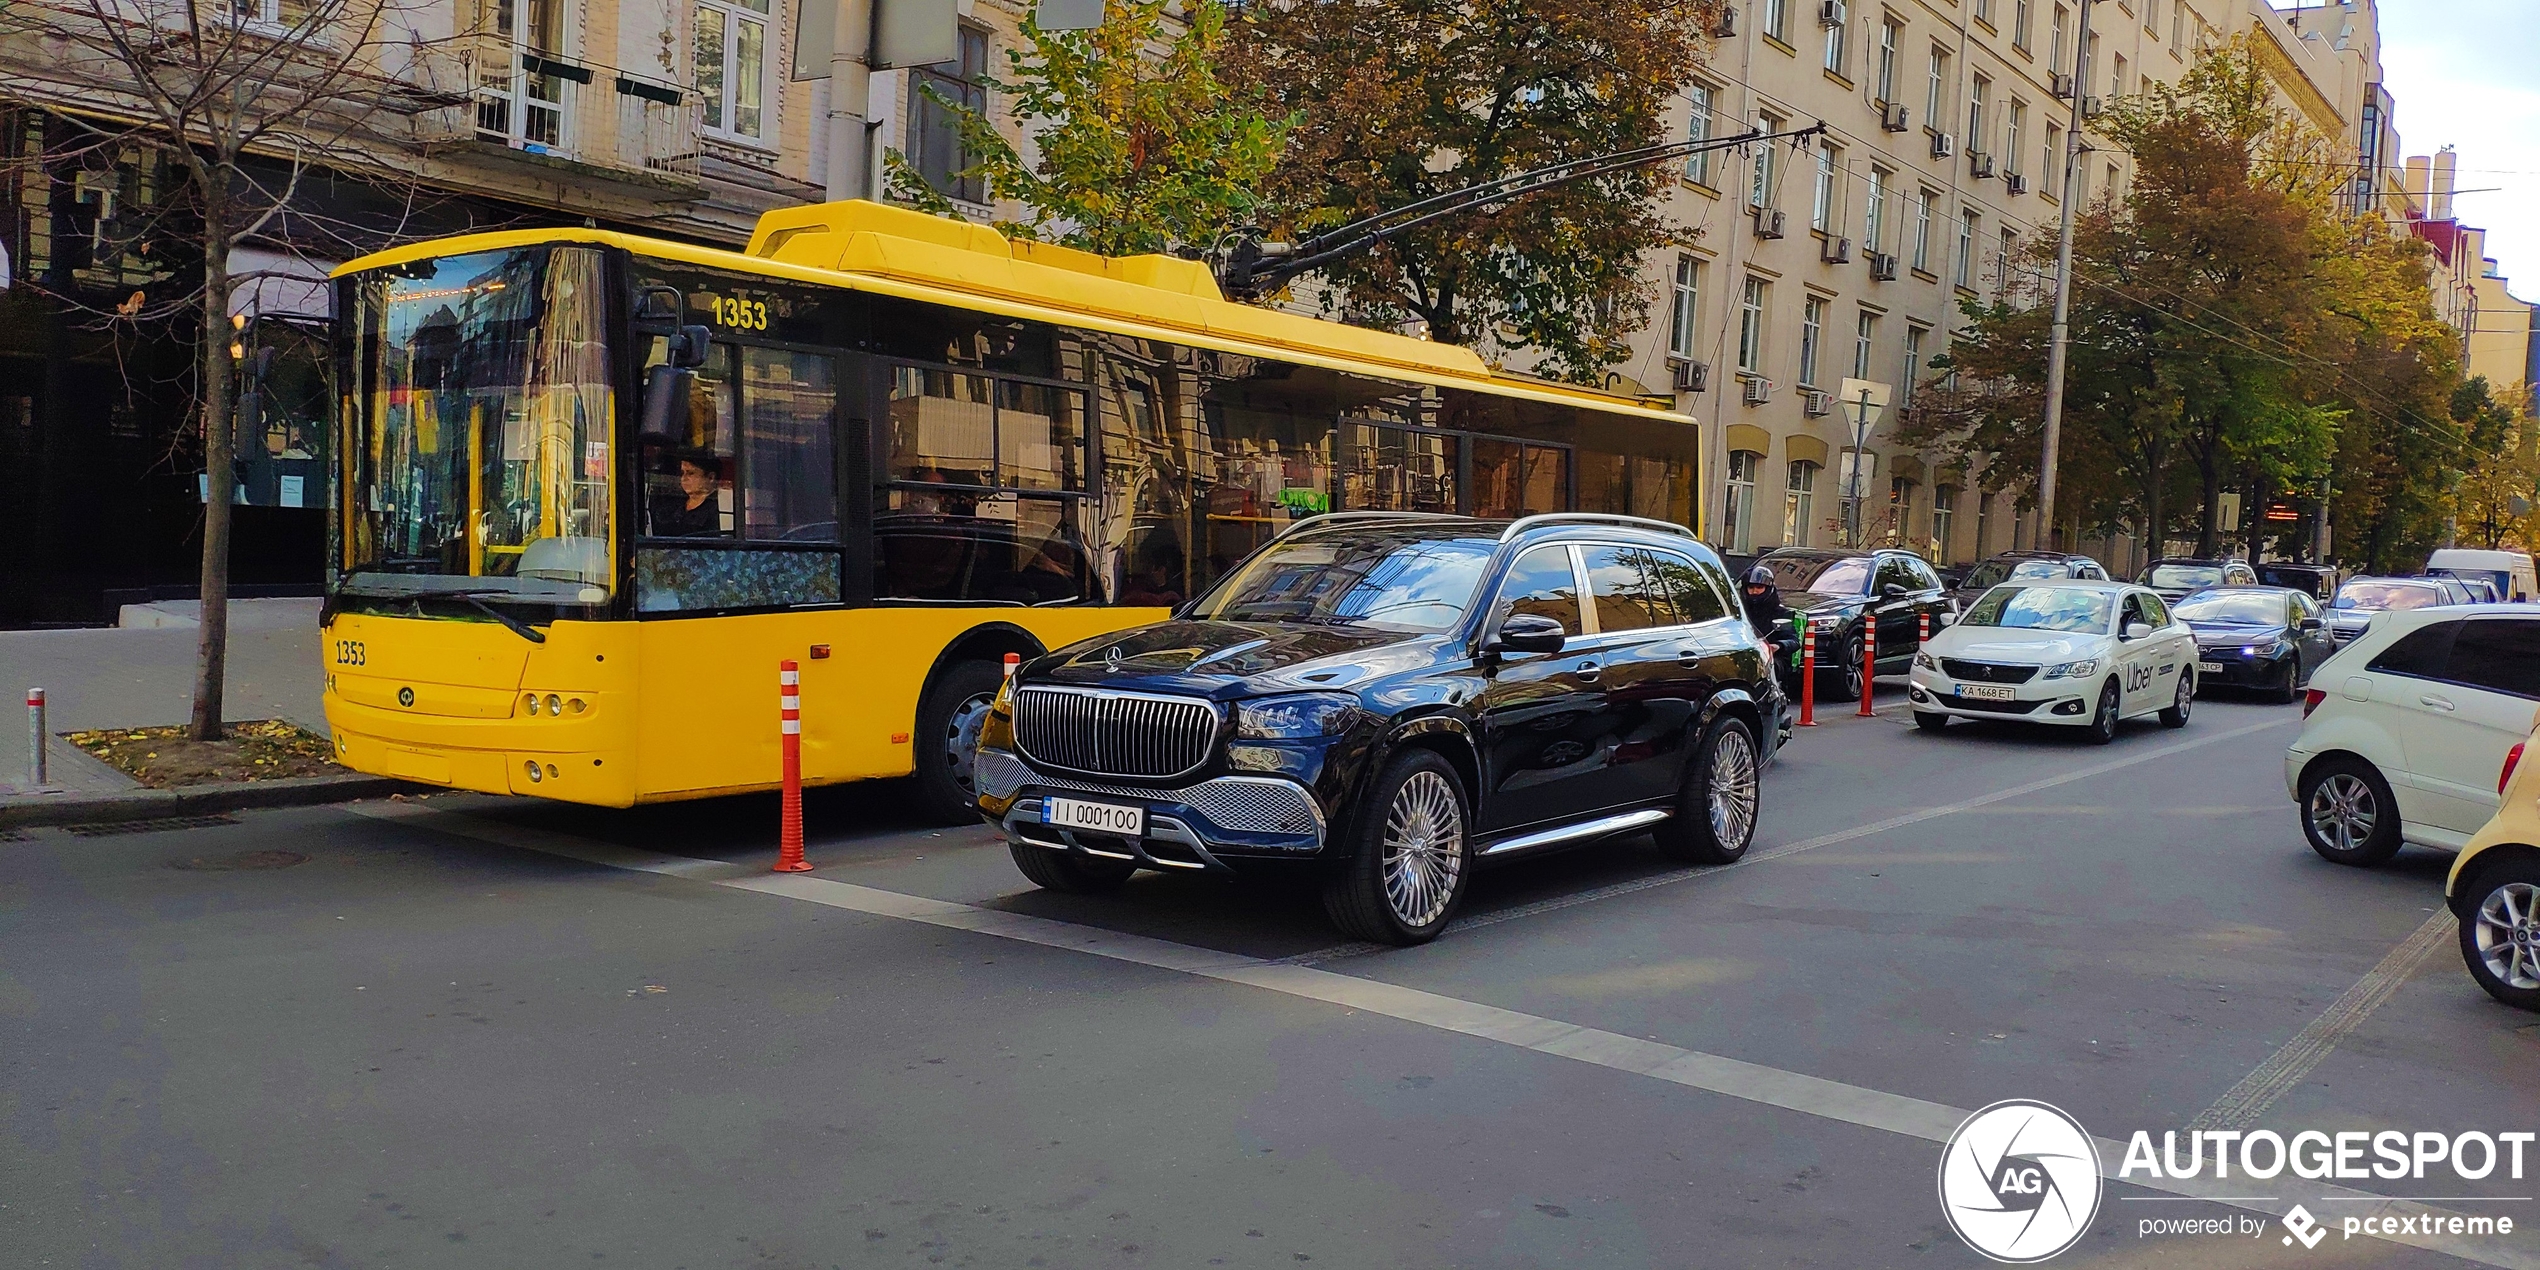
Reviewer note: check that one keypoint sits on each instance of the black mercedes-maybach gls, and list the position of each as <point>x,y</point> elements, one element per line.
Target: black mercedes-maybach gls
<point>1397,699</point>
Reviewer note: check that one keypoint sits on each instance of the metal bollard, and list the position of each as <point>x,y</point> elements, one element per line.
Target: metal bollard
<point>789,844</point>
<point>1869,660</point>
<point>35,736</point>
<point>1807,672</point>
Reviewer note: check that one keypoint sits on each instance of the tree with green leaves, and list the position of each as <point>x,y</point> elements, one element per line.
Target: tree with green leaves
<point>1400,101</point>
<point>1138,145</point>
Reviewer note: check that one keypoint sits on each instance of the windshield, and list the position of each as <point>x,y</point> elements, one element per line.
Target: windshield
<point>2182,576</point>
<point>2046,608</point>
<point>2496,578</point>
<point>2242,609</point>
<point>477,460</point>
<point>1370,579</point>
<point>2370,596</point>
<point>1841,575</point>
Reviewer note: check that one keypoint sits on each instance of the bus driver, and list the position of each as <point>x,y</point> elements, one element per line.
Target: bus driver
<point>691,511</point>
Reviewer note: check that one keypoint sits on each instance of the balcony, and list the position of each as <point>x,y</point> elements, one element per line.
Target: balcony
<point>570,120</point>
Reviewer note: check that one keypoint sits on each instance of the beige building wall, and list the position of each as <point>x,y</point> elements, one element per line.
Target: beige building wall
<point>2499,345</point>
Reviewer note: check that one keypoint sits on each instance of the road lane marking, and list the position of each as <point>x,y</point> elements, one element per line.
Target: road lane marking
<point>2242,1104</point>
<point>1657,1060</point>
<point>1593,895</point>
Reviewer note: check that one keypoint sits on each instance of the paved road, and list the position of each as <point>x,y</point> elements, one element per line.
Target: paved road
<point>470,1032</point>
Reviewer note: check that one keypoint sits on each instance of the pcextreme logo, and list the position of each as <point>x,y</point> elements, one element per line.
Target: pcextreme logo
<point>2020,1181</point>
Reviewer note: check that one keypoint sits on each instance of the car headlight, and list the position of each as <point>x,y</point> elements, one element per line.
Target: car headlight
<point>1005,695</point>
<point>1300,717</point>
<point>2073,669</point>
<point>1923,661</point>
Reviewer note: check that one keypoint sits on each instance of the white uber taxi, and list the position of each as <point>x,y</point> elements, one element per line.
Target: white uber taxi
<point>2079,654</point>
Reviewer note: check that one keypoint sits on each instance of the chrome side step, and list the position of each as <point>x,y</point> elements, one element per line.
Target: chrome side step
<point>1597,828</point>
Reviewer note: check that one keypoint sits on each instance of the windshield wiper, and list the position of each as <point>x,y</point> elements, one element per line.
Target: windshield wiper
<point>510,623</point>
<point>473,599</point>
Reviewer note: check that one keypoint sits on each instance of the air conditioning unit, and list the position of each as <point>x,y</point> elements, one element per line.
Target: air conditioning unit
<point>1897,118</point>
<point>1979,164</point>
<point>2018,183</point>
<point>1943,145</point>
<point>1882,267</point>
<point>1693,376</point>
<point>1726,27</point>
<point>1835,250</point>
<point>1816,403</point>
<point>1757,391</point>
<point>2090,107</point>
<point>1830,13</point>
<point>1768,222</point>
<point>2061,84</point>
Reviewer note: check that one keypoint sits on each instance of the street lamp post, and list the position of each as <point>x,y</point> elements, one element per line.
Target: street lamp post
<point>2062,330</point>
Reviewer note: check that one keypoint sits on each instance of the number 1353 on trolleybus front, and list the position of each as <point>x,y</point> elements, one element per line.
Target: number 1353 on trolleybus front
<point>595,487</point>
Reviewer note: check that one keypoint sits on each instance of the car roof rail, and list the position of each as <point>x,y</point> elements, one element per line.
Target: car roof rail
<point>1334,519</point>
<point>1527,523</point>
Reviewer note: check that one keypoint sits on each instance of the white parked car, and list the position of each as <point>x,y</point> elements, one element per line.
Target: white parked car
<point>2080,654</point>
<point>2404,730</point>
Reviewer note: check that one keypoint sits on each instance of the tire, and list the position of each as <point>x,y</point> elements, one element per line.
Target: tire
<point>948,719</point>
<point>2348,814</point>
<point>2182,704</point>
<point>1721,801</point>
<point>1054,870</point>
<point>1413,858</point>
<point>2103,725</point>
<point>2500,932</point>
<point>1842,681</point>
<point>2290,690</point>
<point>1930,720</point>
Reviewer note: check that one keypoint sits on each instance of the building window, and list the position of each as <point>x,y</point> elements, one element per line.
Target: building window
<point>934,133</point>
<point>2178,20</point>
<point>1750,326</point>
<point>1874,211</point>
<point>1966,247</point>
<point>1900,511</point>
<point>1944,514</point>
<point>732,67</point>
<point>513,104</point>
<point>2050,165</point>
<point>1773,20</point>
<point>2018,119</point>
<point>2002,261</point>
<point>2152,18</point>
<point>1984,11</point>
<point>1821,210</point>
<point>1686,308</point>
<point>1812,331</point>
<point>1698,128</point>
<point>2019,24</point>
<point>1864,337</point>
<point>1799,504</point>
<point>1913,364</point>
<point>1762,192</point>
<point>2055,54</point>
<point>2116,76</point>
<point>1738,518</point>
<point>1922,230</point>
<point>1936,90</point>
<point>1835,45</point>
<point>1984,517</point>
<point>1976,90</point>
<point>1887,60</point>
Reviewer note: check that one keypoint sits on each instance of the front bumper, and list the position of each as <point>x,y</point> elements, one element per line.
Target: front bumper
<point>2227,664</point>
<point>2039,700</point>
<point>1191,828</point>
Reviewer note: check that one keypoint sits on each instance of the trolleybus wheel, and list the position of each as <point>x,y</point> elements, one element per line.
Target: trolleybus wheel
<point>949,716</point>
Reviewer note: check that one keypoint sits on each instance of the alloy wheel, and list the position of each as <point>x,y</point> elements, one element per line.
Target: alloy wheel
<point>2186,695</point>
<point>2343,812</point>
<point>1732,788</point>
<point>961,741</point>
<point>1424,849</point>
<point>2508,934</point>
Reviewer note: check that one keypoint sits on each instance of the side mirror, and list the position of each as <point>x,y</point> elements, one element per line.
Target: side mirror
<point>1892,592</point>
<point>688,346</point>
<point>1528,633</point>
<point>2137,630</point>
<point>1945,617</point>
<point>665,408</point>
<point>2312,624</point>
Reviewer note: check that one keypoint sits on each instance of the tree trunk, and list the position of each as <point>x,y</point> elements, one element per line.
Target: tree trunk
<point>2156,524</point>
<point>2208,533</point>
<point>211,657</point>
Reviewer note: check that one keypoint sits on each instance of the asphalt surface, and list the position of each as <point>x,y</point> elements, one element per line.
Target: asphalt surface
<point>476,1032</point>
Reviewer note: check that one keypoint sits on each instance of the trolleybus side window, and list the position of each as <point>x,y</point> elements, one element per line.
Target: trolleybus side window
<point>985,485</point>
<point>750,484</point>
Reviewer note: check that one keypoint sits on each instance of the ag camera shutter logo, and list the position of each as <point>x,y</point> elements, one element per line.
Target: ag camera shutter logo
<point>2020,1181</point>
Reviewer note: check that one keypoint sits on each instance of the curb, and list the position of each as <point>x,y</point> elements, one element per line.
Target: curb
<point>151,804</point>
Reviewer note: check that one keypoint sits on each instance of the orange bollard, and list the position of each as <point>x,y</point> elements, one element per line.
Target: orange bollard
<point>789,846</point>
<point>1869,660</point>
<point>1807,672</point>
<point>1013,662</point>
<point>1922,628</point>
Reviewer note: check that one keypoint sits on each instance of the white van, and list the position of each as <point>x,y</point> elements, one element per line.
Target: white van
<point>2509,570</point>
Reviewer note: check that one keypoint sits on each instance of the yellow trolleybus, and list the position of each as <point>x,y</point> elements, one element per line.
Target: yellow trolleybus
<point>594,487</point>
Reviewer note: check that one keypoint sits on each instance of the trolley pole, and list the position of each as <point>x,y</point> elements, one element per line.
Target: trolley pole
<point>789,845</point>
<point>2060,334</point>
<point>35,736</point>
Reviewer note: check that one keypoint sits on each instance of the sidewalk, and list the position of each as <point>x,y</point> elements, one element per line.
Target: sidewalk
<point>111,677</point>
